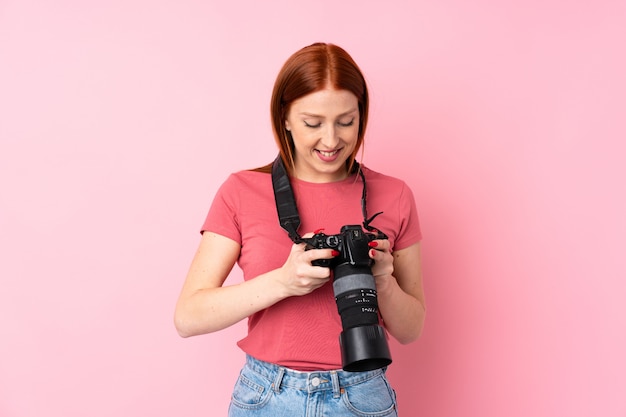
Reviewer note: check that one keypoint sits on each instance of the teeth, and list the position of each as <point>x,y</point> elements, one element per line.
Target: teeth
<point>328,154</point>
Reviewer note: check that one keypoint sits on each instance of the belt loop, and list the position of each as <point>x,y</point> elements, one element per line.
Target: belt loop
<point>336,388</point>
<point>278,380</point>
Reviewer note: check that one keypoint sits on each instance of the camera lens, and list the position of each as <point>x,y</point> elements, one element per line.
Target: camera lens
<point>363,341</point>
<point>357,308</point>
<point>356,298</point>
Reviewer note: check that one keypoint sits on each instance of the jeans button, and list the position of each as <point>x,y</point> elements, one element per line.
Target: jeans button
<point>315,381</point>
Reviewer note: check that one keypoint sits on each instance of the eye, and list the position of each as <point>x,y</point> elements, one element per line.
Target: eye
<point>346,124</point>
<point>312,125</point>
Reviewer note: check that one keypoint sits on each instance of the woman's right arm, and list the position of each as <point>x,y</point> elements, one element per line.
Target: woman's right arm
<point>205,305</point>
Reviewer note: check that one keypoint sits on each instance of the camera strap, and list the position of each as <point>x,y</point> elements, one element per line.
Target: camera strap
<point>286,203</point>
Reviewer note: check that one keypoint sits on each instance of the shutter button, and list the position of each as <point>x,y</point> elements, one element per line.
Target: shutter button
<point>315,381</point>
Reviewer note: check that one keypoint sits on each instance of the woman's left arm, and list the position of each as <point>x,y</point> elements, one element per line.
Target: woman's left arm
<point>400,290</point>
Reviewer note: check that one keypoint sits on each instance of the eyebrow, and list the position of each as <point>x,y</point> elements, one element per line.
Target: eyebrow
<point>321,117</point>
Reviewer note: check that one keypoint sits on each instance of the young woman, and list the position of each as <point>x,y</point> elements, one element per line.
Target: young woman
<point>319,112</point>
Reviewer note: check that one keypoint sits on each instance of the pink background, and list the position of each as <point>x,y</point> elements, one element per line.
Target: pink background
<point>119,119</point>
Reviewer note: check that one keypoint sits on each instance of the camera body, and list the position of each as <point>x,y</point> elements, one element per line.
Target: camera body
<point>351,243</point>
<point>363,341</point>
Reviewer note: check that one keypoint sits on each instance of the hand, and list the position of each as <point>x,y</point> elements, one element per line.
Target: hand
<point>299,276</point>
<point>382,269</point>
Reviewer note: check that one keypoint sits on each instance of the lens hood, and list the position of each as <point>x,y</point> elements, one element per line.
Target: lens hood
<point>364,348</point>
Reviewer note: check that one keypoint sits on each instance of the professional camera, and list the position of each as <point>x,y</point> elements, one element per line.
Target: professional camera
<point>363,341</point>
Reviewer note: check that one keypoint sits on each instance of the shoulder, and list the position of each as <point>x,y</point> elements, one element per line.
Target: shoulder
<point>249,175</point>
<point>242,186</point>
<point>377,180</point>
<point>388,190</point>
<point>394,198</point>
<point>247,179</point>
<point>240,193</point>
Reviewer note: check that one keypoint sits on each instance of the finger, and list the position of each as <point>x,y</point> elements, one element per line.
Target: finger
<point>380,256</point>
<point>298,248</point>
<point>380,244</point>
<point>322,253</point>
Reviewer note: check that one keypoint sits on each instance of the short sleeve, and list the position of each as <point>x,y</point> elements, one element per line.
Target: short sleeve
<point>410,231</point>
<point>222,217</point>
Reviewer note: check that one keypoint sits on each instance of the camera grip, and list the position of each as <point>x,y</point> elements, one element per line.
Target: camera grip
<point>321,262</point>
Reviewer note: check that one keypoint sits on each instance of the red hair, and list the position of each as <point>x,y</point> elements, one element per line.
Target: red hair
<point>311,69</point>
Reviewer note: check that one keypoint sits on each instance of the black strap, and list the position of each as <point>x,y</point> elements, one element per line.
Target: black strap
<point>366,221</point>
<point>286,203</point>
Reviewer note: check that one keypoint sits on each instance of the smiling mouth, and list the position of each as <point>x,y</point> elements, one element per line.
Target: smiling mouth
<point>328,154</point>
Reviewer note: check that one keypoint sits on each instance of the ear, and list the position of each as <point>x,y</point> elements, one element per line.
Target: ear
<point>287,126</point>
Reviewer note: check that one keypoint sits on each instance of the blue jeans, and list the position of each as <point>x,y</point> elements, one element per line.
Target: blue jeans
<point>267,390</point>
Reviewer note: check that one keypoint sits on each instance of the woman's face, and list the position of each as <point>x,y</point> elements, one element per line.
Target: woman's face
<point>325,127</point>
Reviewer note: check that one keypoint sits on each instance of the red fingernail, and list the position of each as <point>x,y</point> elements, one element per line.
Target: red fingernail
<point>335,252</point>
<point>318,231</point>
<point>373,244</point>
<point>373,253</point>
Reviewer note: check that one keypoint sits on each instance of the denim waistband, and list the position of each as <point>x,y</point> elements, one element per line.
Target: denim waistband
<point>312,381</point>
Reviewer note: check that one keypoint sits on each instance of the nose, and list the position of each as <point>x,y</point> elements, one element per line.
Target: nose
<point>330,137</point>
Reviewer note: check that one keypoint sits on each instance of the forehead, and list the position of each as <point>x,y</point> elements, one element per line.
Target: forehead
<point>326,101</point>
